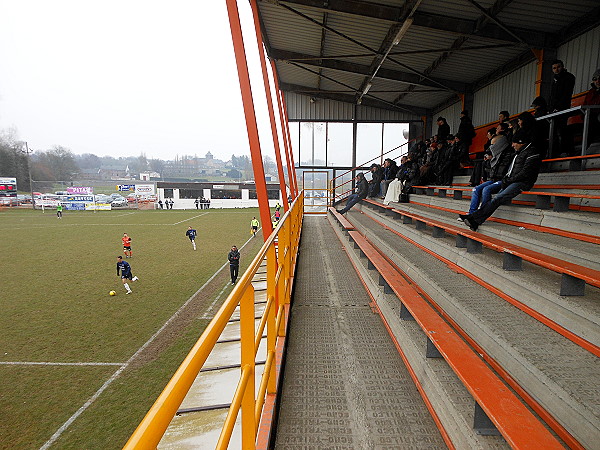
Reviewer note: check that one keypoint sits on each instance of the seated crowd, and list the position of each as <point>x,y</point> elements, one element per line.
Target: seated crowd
<point>507,165</point>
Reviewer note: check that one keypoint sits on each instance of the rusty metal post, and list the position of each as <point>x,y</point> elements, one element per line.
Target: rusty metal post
<point>251,125</point>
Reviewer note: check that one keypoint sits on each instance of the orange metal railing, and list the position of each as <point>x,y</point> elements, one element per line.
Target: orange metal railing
<point>280,251</point>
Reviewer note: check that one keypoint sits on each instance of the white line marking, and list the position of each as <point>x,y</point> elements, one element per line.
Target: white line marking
<point>177,223</point>
<point>205,315</point>
<point>46,363</point>
<point>126,214</point>
<point>115,375</point>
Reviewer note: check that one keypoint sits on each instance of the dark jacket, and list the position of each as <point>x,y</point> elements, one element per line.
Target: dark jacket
<point>389,173</point>
<point>234,258</point>
<point>443,132</point>
<point>502,164</point>
<point>362,188</point>
<point>377,175</point>
<point>526,167</point>
<point>562,91</point>
<point>466,130</point>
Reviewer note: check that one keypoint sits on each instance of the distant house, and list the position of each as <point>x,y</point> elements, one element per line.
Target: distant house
<point>192,166</point>
<point>146,176</point>
<point>90,174</point>
<point>116,172</point>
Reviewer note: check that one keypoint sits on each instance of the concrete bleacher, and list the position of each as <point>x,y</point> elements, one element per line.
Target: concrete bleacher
<point>543,343</point>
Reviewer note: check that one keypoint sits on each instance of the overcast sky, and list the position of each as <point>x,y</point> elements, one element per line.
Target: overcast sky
<point>124,77</point>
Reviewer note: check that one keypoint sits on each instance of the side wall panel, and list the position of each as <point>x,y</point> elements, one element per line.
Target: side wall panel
<point>582,57</point>
<point>301,107</point>
<point>513,93</point>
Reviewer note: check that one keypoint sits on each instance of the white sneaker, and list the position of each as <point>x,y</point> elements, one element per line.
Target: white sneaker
<point>134,279</point>
<point>129,292</point>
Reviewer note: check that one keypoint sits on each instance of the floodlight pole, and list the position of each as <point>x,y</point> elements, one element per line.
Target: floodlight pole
<point>251,125</point>
<point>29,173</point>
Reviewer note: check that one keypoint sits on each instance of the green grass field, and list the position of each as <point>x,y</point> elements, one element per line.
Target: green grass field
<point>56,309</point>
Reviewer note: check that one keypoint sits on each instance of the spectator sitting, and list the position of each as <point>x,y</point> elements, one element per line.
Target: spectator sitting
<point>513,127</point>
<point>395,187</point>
<point>376,177</point>
<point>362,188</point>
<point>499,158</point>
<point>443,129</point>
<point>593,98</point>
<point>503,116</point>
<point>390,168</point>
<point>478,170</point>
<point>451,160</point>
<point>410,177</point>
<point>536,132</point>
<point>521,176</point>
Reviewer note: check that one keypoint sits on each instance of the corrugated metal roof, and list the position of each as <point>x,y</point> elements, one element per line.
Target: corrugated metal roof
<point>424,59</point>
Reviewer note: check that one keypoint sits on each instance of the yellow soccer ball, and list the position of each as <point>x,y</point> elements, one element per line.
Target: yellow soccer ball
<point>112,293</point>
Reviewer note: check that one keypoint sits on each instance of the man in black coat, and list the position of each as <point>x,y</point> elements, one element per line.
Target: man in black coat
<point>563,83</point>
<point>375,183</point>
<point>234,263</point>
<point>443,129</point>
<point>466,130</point>
<point>521,176</point>
<point>362,188</point>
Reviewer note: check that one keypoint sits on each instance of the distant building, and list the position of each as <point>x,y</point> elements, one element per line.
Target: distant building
<point>146,176</point>
<point>221,195</point>
<point>192,166</point>
<point>116,172</point>
<point>90,174</point>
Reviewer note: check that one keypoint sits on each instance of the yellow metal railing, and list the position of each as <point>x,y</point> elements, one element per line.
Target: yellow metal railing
<point>280,251</point>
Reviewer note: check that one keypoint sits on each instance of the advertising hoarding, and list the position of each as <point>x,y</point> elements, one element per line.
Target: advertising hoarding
<point>144,189</point>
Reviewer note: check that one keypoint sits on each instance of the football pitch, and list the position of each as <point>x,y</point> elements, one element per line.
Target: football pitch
<point>80,368</point>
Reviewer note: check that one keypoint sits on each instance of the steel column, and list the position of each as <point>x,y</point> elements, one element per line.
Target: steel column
<point>291,153</point>
<point>263,65</point>
<point>251,125</point>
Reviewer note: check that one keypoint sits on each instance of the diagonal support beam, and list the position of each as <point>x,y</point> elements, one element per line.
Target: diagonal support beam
<point>437,22</point>
<point>361,69</point>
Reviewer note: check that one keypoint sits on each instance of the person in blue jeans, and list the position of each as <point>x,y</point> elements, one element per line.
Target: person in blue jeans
<point>500,155</point>
<point>521,176</point>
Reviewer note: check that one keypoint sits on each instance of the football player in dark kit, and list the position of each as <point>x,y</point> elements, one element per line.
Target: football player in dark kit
<point>125,269</point>
<point>234,263</point>
<point>191,233</point>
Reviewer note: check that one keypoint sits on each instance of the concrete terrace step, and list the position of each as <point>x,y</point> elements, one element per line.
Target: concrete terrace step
<point>571,221</point>
<point>567,248</point>
<point>559,374</point>
<point>533,287</point>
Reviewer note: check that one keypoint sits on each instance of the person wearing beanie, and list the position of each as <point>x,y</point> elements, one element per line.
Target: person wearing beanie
<point>521,175</point>
<point>593,98</point>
